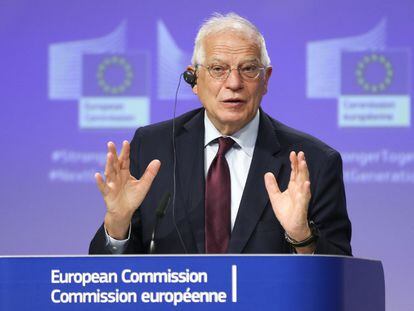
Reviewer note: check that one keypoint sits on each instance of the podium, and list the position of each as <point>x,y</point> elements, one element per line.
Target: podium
<point>222,282</point>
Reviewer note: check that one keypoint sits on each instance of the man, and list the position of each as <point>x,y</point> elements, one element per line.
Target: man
<point>241,182</point>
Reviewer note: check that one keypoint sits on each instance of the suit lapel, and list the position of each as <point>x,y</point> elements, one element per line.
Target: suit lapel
<point>255,197</point>
<point>190,171</point>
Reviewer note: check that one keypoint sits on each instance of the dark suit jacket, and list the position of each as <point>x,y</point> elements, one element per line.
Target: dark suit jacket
<point>256,229</point>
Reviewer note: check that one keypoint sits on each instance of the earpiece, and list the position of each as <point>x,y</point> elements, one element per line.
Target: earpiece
<point>190,77</point>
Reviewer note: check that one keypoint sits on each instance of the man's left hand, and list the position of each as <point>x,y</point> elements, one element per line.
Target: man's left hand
<point>291,205</point>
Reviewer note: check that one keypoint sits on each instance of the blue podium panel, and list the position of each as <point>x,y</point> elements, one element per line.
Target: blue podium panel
<point>191,283</point>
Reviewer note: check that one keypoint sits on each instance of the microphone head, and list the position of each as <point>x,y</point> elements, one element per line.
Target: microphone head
<point>162,207</point>
<point>190,77</point>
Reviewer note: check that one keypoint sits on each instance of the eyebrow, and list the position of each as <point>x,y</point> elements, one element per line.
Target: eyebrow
<point>248,60</point>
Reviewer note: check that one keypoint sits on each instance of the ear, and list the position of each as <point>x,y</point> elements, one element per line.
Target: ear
<point>268,73</point>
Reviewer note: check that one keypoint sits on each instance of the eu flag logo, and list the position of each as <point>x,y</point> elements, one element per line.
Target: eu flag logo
<point>375,72</point>
<point>375,89</point>
<point>115,75</point>
<point>115,91</point>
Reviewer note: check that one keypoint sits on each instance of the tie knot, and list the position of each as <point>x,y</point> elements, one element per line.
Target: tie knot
<point>225,143</point>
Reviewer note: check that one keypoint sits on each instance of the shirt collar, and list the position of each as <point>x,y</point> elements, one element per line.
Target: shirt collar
<point>245,138</point>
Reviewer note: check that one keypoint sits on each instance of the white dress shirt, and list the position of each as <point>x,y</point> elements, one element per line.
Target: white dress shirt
<point>239,158</point>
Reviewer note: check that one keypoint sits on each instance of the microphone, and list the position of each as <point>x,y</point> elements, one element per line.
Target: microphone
<point>191,78</point>
<point>159,214</point>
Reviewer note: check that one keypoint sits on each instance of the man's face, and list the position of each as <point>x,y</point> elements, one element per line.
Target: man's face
<point>233,102</point>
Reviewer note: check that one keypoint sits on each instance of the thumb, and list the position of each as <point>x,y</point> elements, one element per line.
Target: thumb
<point>100,182</point>
<point>148,177</point>
<point>271,185</point>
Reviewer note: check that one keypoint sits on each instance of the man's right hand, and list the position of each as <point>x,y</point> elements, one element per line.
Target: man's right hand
<point>121,191</point>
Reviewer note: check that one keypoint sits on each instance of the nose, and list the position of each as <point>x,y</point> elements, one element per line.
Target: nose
<point>234,81</point>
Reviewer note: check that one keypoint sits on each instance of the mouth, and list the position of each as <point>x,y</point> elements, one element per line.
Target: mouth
<point>233,101</point>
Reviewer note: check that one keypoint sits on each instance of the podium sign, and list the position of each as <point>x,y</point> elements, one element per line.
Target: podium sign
<point>284,282</point>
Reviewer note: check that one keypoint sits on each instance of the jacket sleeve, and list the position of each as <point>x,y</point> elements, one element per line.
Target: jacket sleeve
<point>328,209</point>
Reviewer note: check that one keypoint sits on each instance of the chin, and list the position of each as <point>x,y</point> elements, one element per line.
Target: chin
<point>234,123</point>
<point>232,117</point>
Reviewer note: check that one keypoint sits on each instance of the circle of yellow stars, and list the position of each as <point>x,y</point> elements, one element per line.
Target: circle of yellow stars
<point>362,66</point>
<point>128,75</point>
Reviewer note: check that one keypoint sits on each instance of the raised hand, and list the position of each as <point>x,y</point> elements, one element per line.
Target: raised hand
<point>122,192</point>
<point>291,205</point>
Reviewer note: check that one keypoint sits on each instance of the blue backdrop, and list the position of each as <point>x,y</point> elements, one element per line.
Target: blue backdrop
<point>76,74</point>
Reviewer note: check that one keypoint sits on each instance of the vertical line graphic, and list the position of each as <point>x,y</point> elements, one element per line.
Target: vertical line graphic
<point>234,283</point>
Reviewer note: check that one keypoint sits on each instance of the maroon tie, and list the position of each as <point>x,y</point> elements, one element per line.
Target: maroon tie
<point>218,200</point>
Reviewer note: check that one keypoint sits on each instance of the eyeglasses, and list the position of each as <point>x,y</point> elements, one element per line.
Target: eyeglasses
<point>222,72</point>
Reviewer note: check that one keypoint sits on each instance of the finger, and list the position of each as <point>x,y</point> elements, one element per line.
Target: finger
<point>271,184</point>
<point>124,149</point>
<point>293,165</point>
<point>124,155</point>
<point>148,177</point>
<point>100,182</point>
<point>306,194</point>
<point>303,171</point>
<point>110,171</point>
<point>112,150</point>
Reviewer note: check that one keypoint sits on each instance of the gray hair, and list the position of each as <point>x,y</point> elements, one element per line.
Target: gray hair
<point>233,22</point>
